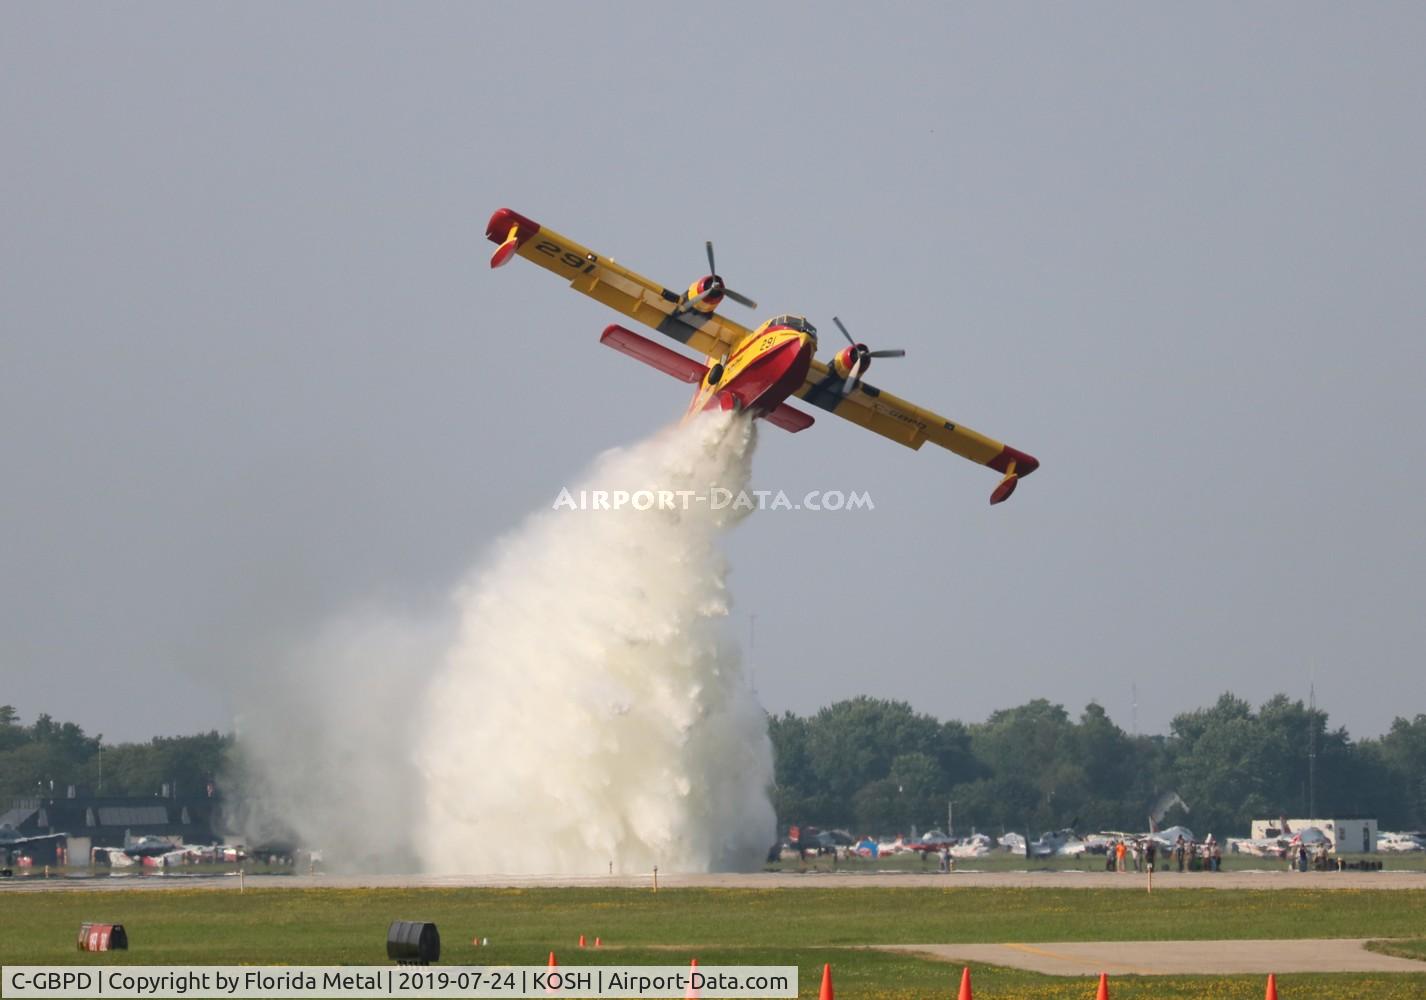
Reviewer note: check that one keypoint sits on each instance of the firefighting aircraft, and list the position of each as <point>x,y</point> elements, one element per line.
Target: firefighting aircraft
<point>753,370</point>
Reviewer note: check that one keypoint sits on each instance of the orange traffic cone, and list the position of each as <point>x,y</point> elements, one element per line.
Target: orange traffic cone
<point>691,993</point>
<point>1272,987</point>
<point>553,963</point>
<point>598,943</point>
<point>581,940</point>
<point>964,994</point>
<point>1103,993</point>
<point>826,991</point>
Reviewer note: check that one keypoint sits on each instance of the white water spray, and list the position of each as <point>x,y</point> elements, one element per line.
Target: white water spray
<point>591,710</point>
<point>579,704</point>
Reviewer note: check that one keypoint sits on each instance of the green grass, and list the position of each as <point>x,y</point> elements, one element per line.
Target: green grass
<point>1401,947</point>
<point>803,927</point>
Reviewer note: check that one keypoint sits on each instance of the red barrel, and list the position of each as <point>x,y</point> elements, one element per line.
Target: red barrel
<point>102,937</point>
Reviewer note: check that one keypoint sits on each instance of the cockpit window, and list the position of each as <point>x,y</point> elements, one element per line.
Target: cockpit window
<point>797,323</point>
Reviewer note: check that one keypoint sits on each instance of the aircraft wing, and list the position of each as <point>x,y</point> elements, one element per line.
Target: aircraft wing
<point>37,838</point>
<point>906,423</point>
<point>616,286</point>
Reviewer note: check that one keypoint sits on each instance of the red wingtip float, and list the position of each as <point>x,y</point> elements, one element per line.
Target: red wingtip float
<point>505,250</point>
<point>510,230</point>
<point>1002,492</point>
<point>755,370</point>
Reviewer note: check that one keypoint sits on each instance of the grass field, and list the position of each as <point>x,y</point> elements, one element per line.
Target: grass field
<point>1403,947</point>
<point>804,927</point>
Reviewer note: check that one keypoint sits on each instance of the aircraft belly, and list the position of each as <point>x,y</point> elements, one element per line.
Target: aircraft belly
<point>770,378</point>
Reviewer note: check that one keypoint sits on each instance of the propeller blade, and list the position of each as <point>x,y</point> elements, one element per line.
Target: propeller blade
<point>844,331</point>
<point>894,353</point>
<point>740,298</point>
<point>851,381</point>
<point>737,297</point>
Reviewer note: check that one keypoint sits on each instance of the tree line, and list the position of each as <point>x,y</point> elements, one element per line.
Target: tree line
<point>43,759</point>
<point>876,766</point>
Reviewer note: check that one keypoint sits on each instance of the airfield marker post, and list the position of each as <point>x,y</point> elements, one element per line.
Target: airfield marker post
<point>656,878</point>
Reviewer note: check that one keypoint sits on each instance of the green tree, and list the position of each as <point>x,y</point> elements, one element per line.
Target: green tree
<point>12,734</point>
<point>1120,771</point>
<point>1033,746</point>
<point>1401,764</point>
<point>44,758</point>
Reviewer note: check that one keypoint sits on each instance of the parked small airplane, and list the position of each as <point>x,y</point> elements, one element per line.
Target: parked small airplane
<point>977,845</point>
<point>148,846</point>
<point>754,370</point>
<point>12,842</point>
<point>1168,839</point>
<point>1410,841</point>
<point>1054,842</point>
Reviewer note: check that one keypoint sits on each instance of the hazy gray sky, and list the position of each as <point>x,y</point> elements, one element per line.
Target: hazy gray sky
<point>254,371</point>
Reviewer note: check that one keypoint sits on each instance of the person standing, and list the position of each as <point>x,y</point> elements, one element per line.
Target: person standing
<point>1119,851</point>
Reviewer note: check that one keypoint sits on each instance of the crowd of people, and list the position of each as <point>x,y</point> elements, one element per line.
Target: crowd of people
<point>1145,853</point>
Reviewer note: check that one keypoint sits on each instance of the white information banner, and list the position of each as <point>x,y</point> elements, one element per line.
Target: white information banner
<point>544,982</point>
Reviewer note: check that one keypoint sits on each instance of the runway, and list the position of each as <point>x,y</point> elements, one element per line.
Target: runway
<point>1268,880</point>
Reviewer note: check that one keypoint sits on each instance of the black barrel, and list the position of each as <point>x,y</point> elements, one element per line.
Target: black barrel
<point>411,942</point>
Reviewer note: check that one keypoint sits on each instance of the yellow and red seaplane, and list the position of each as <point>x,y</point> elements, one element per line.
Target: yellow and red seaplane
<point>752,370</point>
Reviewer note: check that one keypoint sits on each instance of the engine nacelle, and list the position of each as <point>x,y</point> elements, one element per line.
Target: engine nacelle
<point>845,359</point>
<point>704,295</point>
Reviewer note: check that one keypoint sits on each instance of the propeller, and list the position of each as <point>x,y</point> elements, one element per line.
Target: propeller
<point>863,356</point>
<point>716,285</point>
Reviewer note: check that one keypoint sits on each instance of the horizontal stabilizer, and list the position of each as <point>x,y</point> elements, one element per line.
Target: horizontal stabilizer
<point>668,361</point>
<point>789,418</point>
